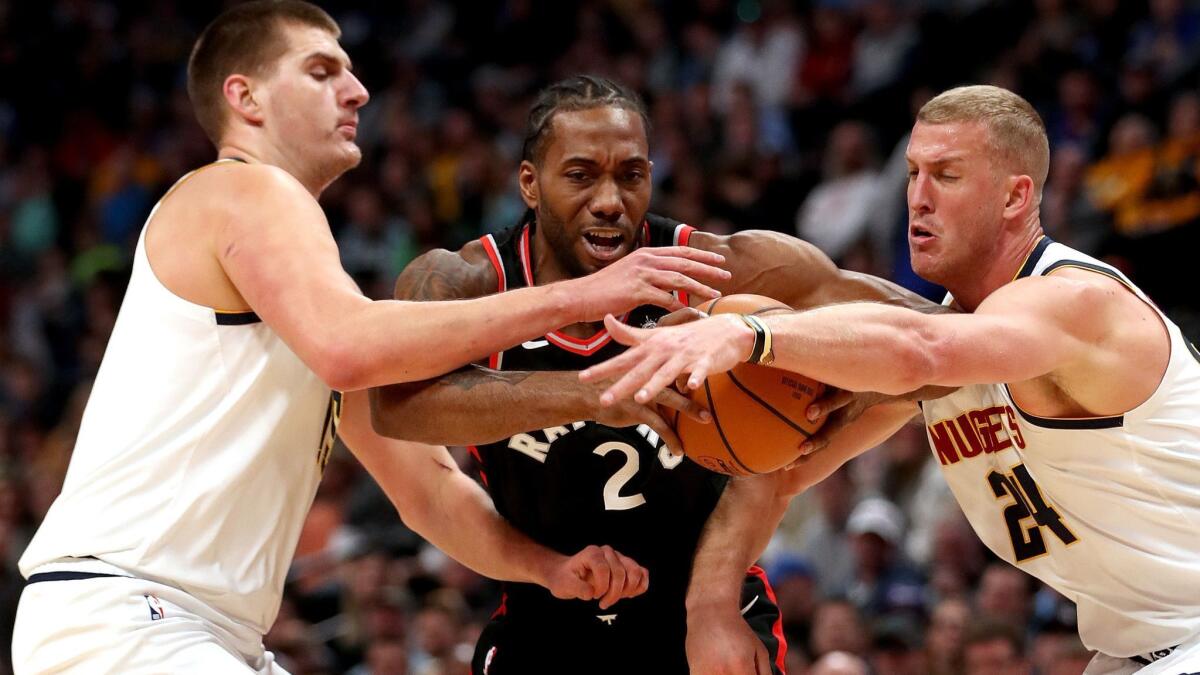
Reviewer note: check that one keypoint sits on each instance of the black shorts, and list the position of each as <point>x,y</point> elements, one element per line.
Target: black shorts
<point>534,642</point>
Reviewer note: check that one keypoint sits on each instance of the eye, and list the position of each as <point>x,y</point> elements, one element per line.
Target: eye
<point>319,74</point>
<point>634,176</point>
<point>577,175</point>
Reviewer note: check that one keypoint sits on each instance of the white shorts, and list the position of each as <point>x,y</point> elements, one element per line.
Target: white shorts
<point>1181,660</point>
<point>120,624</point>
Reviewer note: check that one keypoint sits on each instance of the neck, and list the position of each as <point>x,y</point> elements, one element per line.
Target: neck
<point>1006,260</point>
<point>542,261</point>
<point>255,153</point>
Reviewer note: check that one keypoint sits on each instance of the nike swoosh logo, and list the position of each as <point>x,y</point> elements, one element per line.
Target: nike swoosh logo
<point>749,605</point>
<point>535,344</point>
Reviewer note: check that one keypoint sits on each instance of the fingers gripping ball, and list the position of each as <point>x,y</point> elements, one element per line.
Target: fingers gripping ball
<point>758,412</point>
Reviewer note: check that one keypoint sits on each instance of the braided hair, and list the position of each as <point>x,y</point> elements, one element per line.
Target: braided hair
<point>581,92</point>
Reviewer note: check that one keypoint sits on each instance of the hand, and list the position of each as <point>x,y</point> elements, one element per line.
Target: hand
<point>657,357</point>
<point>840,407</point>
<point>626,413</point>
<point>722,643</point>
<point>648,276</point>
<point>597,572</point>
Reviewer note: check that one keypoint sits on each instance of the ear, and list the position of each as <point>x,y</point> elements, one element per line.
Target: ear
<point>527,180</point>
<point>240,97</point>
<point>1022,197</point>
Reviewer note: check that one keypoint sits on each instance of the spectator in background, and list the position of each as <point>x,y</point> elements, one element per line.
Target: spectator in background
<point>994,648</point>
<point>945,636</point>
<point>1005,595</point>
<point>837,627</point>
<point>883,581</point>
<point>826,543</point>
<point>834,216</point>
<point>839,663</point>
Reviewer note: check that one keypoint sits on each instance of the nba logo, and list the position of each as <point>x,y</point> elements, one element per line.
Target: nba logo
<point>156,608</point>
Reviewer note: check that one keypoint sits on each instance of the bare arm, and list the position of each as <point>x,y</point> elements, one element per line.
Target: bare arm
<point>274,244</point>
<point>738,531</point>
<point>451,511</point>
<point>797,273</point>
<point>479,405</point>
<point>867,346</point>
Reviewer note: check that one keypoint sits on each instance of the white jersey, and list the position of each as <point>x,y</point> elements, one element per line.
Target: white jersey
<point>198,457</point>
<point>1105,510</point>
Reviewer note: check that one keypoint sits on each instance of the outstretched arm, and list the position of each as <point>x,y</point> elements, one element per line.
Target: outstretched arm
<point>738,531</point>
<point>276,248</point>
<point>479,405</point>
<point>867,346</point>
<point>451,511</point>
<point>797,273</point>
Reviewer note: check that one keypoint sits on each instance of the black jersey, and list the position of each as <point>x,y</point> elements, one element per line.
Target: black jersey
<point>585,483</point>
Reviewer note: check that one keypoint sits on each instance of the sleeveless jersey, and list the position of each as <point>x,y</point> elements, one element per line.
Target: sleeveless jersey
<point>198,457</point>
<point>585,483</point>
<point>1105,510</point>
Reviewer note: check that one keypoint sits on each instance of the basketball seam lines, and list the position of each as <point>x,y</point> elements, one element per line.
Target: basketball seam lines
<point>766,405</point>
<point>721,432</point>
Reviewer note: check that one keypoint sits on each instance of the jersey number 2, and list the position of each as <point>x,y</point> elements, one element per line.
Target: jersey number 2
<point>1027,502</point>
<point>613,501</point>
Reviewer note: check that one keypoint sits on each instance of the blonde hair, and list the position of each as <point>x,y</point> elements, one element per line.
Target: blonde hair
<point>1015,130</point>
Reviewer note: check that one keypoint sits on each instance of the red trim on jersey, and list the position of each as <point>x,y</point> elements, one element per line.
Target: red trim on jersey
<point>645,241</point>
<point>475,453</point>
<point>526,261</point>
<point>777,629</point>
<point>582,346</point>
<point>493,254</point>
<point>683,233</point>
<point>502,610</point>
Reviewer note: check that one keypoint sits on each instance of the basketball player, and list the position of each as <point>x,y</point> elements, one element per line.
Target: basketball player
<point>571,474</point>
<point>212,414</point>
<point>1073,445</point>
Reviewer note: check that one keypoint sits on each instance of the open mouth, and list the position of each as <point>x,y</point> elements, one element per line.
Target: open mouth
<point>918,233</point>
<point>603,245</point>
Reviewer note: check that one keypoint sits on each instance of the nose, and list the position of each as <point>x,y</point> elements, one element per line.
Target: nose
<point>920,198</point>
<point>606,201</point>
<point>355,95</point>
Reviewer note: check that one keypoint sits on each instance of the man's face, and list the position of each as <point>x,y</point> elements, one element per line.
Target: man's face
<point>593,187</point>
<point>955,200</point>
<point>992,657</point>
<point>311,101</point>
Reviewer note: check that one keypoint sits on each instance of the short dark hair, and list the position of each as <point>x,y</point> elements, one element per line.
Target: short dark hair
<point>581,92</point>
<point>248,39</point>
<point>988,629</point>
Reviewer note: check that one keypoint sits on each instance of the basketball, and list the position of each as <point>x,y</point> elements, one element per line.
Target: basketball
<point>758,412</point>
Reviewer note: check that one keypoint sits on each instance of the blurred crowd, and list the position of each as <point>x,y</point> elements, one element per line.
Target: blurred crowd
<point>777,114</point>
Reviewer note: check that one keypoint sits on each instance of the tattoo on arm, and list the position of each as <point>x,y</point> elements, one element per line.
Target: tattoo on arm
<point>441,275</point>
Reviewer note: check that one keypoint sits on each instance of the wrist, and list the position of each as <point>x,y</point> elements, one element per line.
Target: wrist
<point>709,605</point>
<point>744,337</point>
<point>713,596</point>
<point>565,300</point>
<point>542,564</point>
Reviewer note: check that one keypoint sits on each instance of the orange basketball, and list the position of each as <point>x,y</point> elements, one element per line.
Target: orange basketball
<point>758,412</point>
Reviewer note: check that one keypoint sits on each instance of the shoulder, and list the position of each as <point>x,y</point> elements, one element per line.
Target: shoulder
<point>1078,303</point>
<point>257,195</point>
<point>768,263</point>
<point>759,245</point>
<point>448,275</point>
